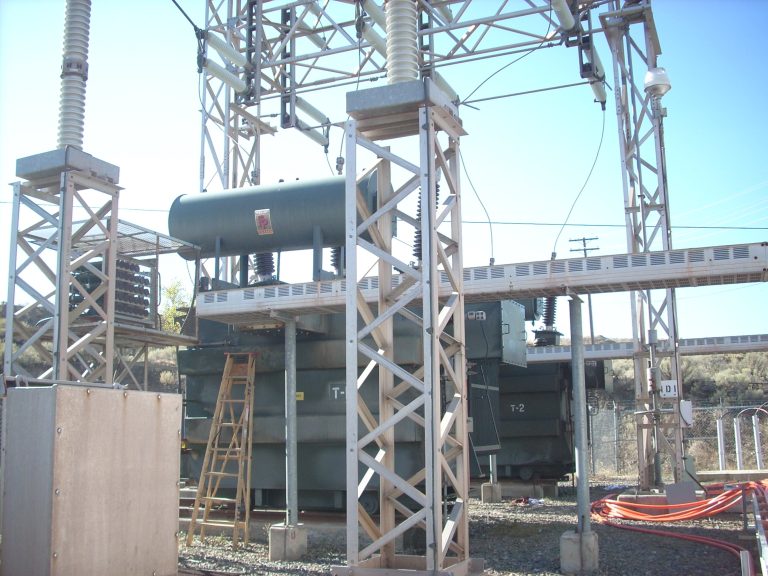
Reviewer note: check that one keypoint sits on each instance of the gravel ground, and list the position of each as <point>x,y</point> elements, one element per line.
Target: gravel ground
<point>514,539</point>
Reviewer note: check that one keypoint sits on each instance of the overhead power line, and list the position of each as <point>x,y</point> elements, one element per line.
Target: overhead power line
<point>512,222</point>
<point>508,64</point>
<point>583,187</point>
<point>603,225</point>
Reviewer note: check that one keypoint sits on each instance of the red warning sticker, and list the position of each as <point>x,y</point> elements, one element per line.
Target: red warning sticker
<point>263,222</point>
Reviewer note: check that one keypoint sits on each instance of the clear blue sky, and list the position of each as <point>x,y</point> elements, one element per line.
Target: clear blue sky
<point>527,156</point>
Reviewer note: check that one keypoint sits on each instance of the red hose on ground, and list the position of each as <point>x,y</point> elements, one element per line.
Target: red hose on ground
<point>611,508</point>
<point>727,546</point>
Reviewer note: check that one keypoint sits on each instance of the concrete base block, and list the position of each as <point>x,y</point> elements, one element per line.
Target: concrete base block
<point>578,552</point>
<point>287,542</point>
<point>521,490</point>
<point>550,490</point>
<point>490,493</point>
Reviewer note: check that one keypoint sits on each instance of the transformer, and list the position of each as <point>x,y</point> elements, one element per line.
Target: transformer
<point>521,414</point>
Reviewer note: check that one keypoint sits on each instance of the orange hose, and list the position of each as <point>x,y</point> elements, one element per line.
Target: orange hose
<point>611,508</point>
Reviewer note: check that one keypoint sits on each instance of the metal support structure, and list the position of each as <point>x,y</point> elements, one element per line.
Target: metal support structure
<point>69,250</point>
<point>493,472</point>
<point>76,341</point>
<point>586,250</point>
<point>431,395</point>
<point>126,363</point>
<point>229,138</point>
<point>230,132</point>
<point>737,443</point>
<point>717,265</point>
<point>631,35</point>
<point>721,444</point>
<point>579,415</point>
<point>271,53</point>
<point>291,469</point>
<point>64,300</point>
<point>758,442</point>
<point>615,437</point>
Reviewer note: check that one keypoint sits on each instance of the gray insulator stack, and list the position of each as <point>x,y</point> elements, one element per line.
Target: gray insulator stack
<point>550,308</point>
<point>337,259</point>
<point>74,73</point>
<point>402,41</point>
<point>417,233</point>
<point>265,264</point>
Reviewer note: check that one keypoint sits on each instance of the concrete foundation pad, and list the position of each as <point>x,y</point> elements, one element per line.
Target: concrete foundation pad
<point>578,552</point>
<point>550,490</point>
<point>731,475</point>
<point>521,490</point>
<point>490,493</point>
<point>287,542</point>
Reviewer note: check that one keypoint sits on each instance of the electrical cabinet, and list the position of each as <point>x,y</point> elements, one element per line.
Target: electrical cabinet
<point>90,482</point>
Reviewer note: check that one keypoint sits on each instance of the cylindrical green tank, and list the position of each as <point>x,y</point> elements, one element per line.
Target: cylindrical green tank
<point>280,217</point>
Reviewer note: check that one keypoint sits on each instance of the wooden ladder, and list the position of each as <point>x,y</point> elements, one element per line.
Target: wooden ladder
<point>228,454</point>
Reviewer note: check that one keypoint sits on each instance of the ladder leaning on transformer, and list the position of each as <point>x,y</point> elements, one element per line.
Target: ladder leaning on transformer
<point>228,454</point>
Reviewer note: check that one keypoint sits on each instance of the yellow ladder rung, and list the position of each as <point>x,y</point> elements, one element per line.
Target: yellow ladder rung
<point>219,499</point>
<point>214,523</point>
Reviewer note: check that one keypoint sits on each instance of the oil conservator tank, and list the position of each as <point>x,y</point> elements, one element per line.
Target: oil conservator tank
<point>280,217</point>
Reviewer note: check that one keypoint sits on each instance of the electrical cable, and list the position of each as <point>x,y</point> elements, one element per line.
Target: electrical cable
<point>523,93</point>
<point>583,187</point>
<point>490,406</point>
<point>359,16</point>
<point>521,223</point>
<point>722,545</point>
<point>610,508</point>
<point>187,17</point>
<point>474,453</point>
<point>477,195</point>
<point>599,225</point>
<point>327,161</point>
<point>189,309</point>
<point>508,64</point>
<point>402,241</point>
<point>723,501</point>
<point>692,477</point>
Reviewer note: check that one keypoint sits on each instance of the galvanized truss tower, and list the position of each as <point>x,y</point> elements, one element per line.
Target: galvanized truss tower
<point>639,87</point>
<point>432,394</point>
<point>83,285</point>
<point>230,135</point>
<point>44,263</point>
<point>43,260</point>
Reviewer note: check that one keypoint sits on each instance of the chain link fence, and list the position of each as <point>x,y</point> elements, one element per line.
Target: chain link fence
<point>741,443</point>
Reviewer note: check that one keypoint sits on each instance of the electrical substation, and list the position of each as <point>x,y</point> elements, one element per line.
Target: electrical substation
<point>387,380</point>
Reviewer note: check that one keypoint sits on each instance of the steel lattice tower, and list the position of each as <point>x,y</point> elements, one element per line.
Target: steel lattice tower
<point>635,47</point>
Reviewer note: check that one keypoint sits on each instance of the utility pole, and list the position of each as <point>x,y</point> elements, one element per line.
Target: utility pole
<point>585,250</point>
